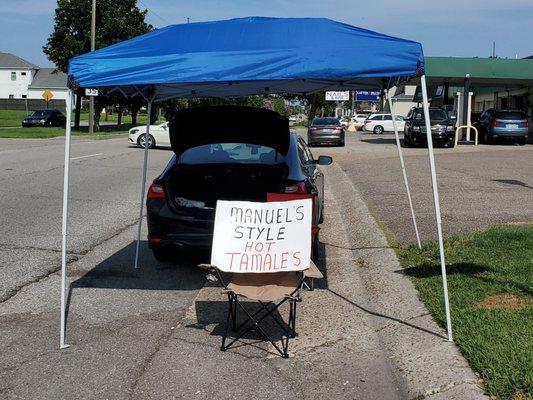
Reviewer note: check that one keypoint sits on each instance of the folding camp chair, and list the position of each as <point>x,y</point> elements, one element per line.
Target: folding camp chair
<point>270,290</point>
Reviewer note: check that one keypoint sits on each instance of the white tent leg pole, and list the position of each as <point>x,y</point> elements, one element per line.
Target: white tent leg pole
<point>437,206</point>
<point>143,182</point>
<point>404,172</point>
<point>64,226</point>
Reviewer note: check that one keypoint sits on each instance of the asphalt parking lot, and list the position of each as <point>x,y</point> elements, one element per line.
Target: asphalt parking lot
<point>479,185</point>
<point>155,332</point>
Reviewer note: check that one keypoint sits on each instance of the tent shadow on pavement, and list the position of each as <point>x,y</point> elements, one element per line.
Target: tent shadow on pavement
<point>116,272</point>
<point>214,312</point>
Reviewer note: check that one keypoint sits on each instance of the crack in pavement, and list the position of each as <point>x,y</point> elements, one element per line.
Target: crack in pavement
<point>74,257</point>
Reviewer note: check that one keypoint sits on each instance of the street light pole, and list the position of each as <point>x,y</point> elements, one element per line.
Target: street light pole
<point>91,99</point>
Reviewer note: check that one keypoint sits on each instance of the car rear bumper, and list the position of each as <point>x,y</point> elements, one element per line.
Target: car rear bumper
<point>170,229</point>
<point>30,124</point>
<point>509,133</point>
<point>336,138</point>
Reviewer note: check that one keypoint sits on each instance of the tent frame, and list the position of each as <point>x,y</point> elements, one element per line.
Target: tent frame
<point>150,100</point>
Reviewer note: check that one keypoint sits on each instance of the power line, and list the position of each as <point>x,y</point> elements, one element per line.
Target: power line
<point>153,12</point>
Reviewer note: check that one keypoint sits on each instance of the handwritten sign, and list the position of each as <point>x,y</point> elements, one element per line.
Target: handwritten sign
<point>262,237</point>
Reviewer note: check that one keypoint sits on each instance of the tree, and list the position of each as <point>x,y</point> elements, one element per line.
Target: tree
<point>116,21</point>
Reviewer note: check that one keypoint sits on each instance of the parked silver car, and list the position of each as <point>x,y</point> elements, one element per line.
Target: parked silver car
<point>323,131</point>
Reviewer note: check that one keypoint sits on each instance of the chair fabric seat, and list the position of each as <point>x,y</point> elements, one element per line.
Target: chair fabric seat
<point>264,287</point>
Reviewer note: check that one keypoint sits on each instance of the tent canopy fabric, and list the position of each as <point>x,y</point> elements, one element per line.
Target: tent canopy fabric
<point>244,56</point>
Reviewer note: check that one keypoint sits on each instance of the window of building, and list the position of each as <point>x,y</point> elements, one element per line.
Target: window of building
<point>11,96</point>
<point>13,76</point>
<point>24,96</point>
<point>23,73</point>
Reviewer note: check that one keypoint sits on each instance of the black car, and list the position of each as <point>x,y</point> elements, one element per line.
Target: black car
<point>44,118</point>
<point>442,127</point>
<point>226,161</point>
<point>325,131</point>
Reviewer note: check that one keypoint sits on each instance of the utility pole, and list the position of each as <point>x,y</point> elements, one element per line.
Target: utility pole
<point>91,98</point>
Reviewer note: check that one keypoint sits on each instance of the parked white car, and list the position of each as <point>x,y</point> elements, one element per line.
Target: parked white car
<point>358,120</point>
<point>158,136</point>
<point>379,123</point>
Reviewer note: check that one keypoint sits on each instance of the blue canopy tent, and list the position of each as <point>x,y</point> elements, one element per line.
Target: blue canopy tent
<point>241,57</point>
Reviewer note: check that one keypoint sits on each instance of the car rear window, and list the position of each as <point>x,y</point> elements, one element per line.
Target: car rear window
<point>433,115</point>
<point>231,153</point>
<point>326,121</point>
<point>510,115</point>
<point>41,113</point>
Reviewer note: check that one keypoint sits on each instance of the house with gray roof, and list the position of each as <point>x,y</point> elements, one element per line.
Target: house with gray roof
<point>21,79</point>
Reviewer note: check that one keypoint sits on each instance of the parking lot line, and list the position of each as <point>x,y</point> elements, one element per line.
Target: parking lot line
<point>87,156</point>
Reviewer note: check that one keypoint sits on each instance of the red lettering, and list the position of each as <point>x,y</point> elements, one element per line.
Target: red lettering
<point>231,261</point>
<point>284,259</point>
<point>259,246</point>
<point>269,245</point>
<point>268,261</point>
<point>296,256</point>
<point>244,262</point>
<point>248,246</point>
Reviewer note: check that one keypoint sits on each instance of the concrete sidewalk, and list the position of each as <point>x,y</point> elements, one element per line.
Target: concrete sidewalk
<point>362,334</point>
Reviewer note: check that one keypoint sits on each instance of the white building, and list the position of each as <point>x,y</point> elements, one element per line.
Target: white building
<point>20,79</point>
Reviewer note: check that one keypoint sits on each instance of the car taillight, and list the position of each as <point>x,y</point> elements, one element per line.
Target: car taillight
<point>525,122</point>
<point>156,192</point>
<point>366,121</point>
<point>298,187</point>
<point>338,128</point>
<point>497,123</point>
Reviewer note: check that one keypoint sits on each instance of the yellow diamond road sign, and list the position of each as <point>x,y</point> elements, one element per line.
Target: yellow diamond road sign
<point>48,95</point>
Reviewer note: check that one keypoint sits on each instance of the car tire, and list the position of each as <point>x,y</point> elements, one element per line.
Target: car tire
<point>406,141</point>
<point>378,130</point>
<point>151,141</point>
<point>162,255</point>
<point>522,142</point>
<point>341,144</point>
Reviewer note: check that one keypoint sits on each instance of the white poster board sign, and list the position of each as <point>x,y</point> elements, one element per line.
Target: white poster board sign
<point>337,96</point>
<point>262,237</point>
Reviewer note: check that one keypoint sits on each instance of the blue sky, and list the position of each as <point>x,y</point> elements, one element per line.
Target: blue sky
<point>445,28</point>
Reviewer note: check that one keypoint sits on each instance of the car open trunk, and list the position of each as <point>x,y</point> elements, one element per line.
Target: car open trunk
<point>202,185</point>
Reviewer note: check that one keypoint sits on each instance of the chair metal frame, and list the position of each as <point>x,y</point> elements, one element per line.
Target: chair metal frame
<point>254,320</point>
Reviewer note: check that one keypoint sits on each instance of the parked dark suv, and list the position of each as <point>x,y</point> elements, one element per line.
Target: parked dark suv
<point>442,127</point>
<point>249,154</point>
<point>44,118</point>
<point>503,124</point>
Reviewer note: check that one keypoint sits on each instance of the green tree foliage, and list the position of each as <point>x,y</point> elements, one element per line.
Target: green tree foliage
<point>115,21</point>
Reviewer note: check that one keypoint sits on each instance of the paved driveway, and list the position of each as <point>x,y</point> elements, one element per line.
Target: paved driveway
<point>479,186</point>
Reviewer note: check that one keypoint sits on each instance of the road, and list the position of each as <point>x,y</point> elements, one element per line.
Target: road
<point>105,184</point>
<point>155,332</point>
